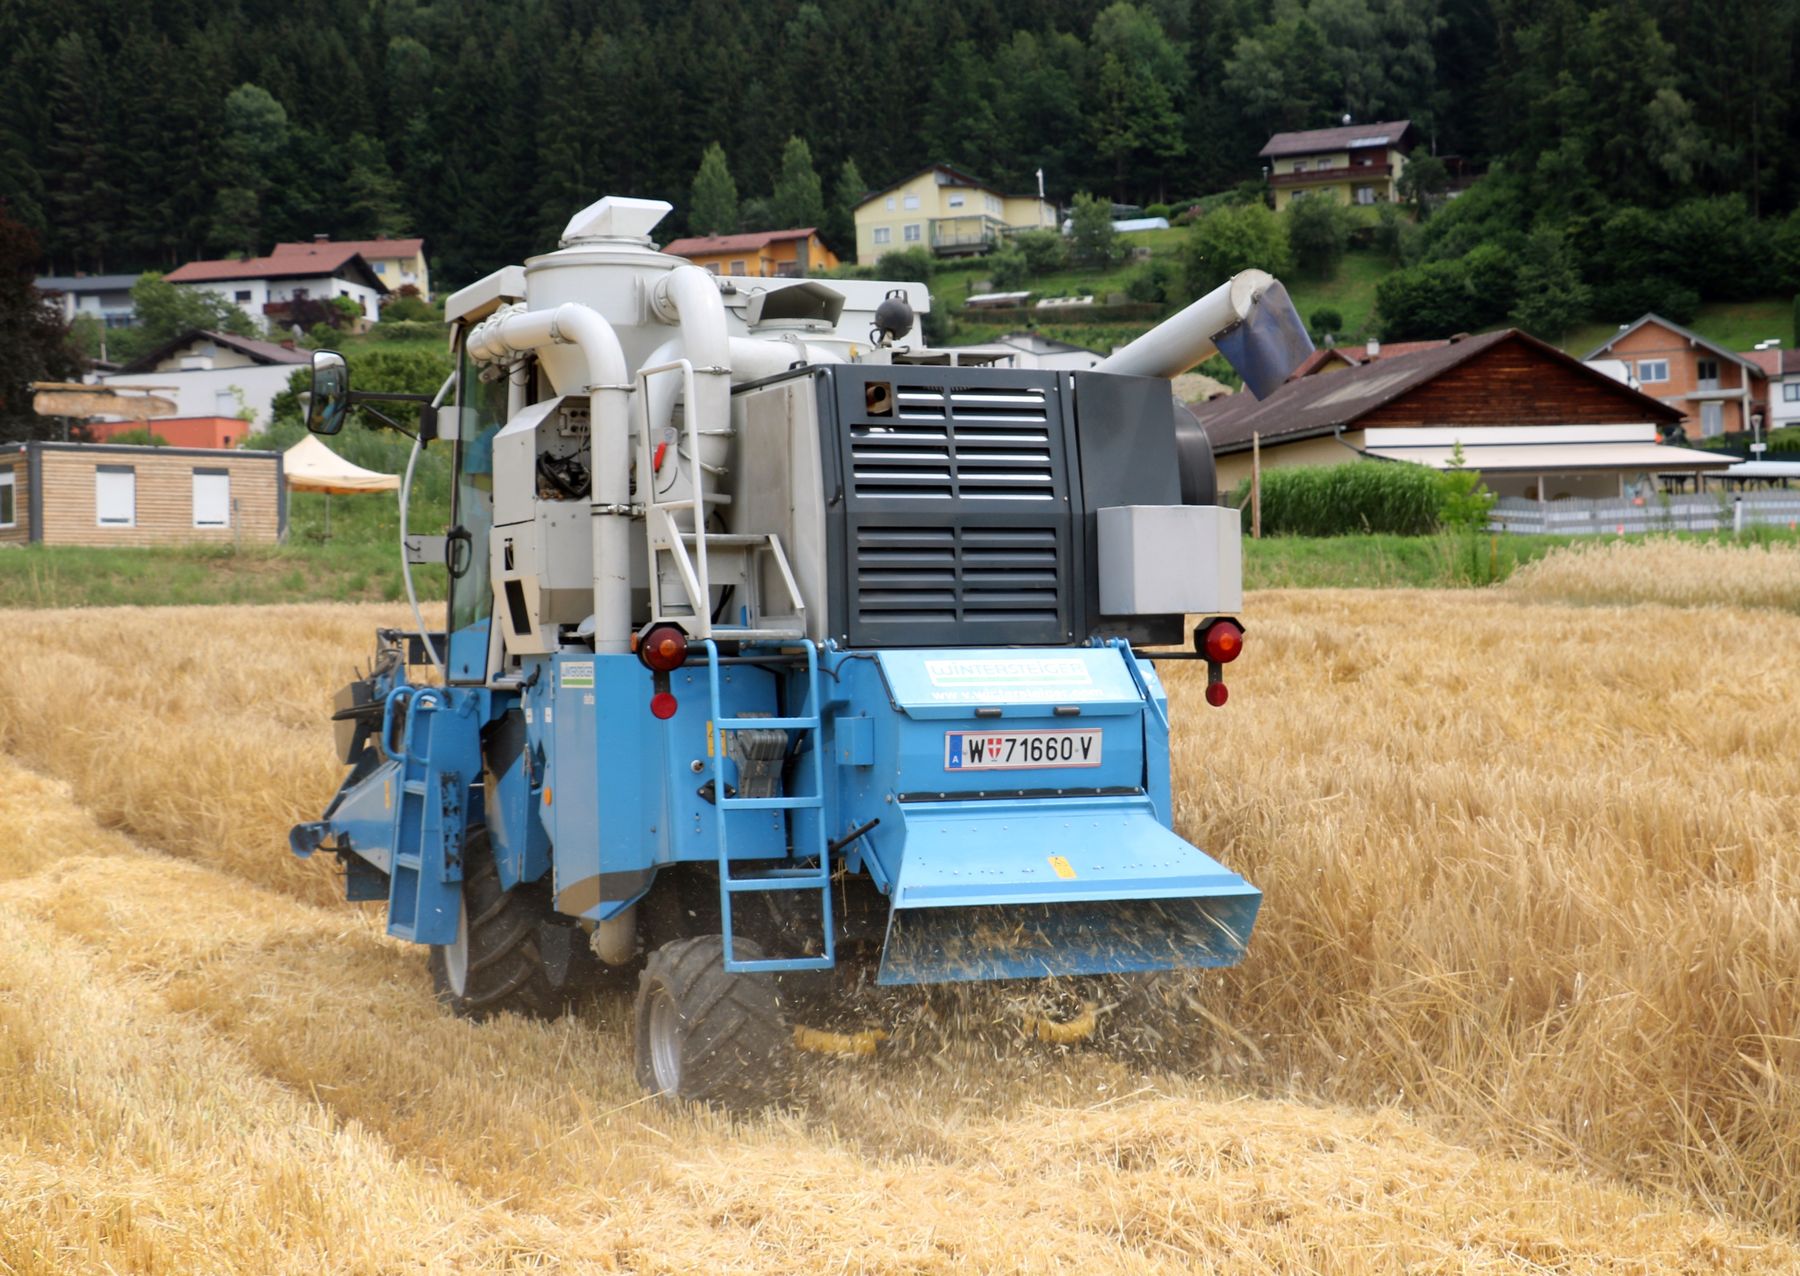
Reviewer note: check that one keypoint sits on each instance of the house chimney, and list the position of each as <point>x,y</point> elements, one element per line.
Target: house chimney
<point>321,239</point>
<point>1458,336</point>
<point>1373,349</point>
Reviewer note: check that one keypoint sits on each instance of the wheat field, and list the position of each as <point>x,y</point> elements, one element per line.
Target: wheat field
<point>1522,997</point>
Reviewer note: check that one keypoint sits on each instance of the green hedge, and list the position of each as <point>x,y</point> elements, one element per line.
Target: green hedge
<point>1345,500</point>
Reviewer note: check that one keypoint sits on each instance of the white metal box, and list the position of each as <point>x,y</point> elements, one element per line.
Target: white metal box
<point>1156,560</point>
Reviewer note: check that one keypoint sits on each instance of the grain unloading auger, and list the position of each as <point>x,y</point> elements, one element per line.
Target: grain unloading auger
<point>778,642</point>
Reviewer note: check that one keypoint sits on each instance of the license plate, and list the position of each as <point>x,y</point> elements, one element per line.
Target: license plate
<point>1020,750</point>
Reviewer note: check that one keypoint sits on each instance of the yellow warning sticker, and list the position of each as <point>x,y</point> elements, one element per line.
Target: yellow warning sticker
<point>709,738</point>
<point>387,794</point>
<point>1063,869</point>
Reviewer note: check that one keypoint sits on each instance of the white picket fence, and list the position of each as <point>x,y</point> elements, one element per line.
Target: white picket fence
<point>1711,512</point>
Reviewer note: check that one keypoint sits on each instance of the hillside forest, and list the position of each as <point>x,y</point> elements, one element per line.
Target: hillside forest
<point>135,135</point>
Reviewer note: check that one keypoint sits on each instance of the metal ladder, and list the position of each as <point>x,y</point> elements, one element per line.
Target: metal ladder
<point>818,878</point>
<point>691,553</point>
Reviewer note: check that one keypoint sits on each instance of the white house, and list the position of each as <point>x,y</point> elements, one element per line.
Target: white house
<point>214,374</point>
<point>397,262</point>
<point>1783,370</point>
<point>266,288</point>
<point>105,297</point>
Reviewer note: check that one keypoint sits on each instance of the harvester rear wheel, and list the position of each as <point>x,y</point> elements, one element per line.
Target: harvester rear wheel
<point>706,1034</point>
<point>496,962</point>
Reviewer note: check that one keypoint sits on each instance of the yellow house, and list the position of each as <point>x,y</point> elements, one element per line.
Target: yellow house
<point>761,254</point>
<point>945,210</point>
<point>397,262</point>
<point>1355,164</point>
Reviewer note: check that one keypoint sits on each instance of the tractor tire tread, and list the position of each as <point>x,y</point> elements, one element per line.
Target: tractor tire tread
<point>505,969</point>
<point>736,1045</point>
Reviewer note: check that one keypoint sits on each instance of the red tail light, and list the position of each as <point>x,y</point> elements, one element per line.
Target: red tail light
<point>1221,641</point>
<point>662,648</point>
<point>662,705</point>
<point>1216,694</point>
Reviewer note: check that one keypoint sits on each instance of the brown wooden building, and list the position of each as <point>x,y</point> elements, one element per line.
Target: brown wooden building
<point>1500,389</point>
<point>121,494</point>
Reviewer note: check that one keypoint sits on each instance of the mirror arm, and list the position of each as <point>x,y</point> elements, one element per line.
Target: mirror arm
<point>377,396</point>
<point>384,418</point>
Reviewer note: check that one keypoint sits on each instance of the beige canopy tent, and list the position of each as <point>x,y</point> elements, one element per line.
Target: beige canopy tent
<point>310,466</point>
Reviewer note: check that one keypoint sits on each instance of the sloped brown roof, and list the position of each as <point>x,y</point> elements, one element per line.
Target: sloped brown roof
<point>749,241</point>
<point>1356,356</point>
<point>1312,406</point>
<point>1311,141</point>
<point>372,248</point>
<point>264,352</point>
<point>330,260</point>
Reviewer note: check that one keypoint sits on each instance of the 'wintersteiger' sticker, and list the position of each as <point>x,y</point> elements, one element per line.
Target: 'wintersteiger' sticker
<point>578,673</point>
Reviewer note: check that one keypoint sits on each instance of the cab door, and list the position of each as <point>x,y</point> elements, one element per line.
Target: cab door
<point>481,411</point>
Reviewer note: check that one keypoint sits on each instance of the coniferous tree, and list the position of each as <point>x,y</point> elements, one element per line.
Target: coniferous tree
<point>714,207</point>
<point>799,197</point>
<point>840,218</point>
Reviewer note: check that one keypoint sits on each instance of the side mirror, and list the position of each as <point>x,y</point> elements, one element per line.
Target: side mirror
<point>329,402</point>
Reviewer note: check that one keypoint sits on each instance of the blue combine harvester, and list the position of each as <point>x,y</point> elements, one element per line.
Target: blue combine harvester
<point>780,642</point>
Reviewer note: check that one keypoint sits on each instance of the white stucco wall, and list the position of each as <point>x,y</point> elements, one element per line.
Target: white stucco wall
<point>211,392</point>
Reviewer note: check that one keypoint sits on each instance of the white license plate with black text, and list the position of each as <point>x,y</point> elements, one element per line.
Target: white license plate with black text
<point>1020,750</point>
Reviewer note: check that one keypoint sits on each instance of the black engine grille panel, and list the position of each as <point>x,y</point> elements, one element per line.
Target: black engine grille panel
<point>957,507</point>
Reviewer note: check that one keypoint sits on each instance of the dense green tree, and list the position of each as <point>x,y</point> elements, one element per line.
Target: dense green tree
<point>166,311</point>
<point>1422,183</point>
<point>714,206</point>
<point>256,134</point>
<point>1092,240</point>
<point>840,217</point>
<point>34,341</point>
<point>1318,231</point>
<point>1551,296</point>
<point>799,196</point>
<point>1227,240</point>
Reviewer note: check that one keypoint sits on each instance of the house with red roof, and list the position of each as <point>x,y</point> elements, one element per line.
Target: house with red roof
<point>398,263</point>
<point>270,289</point>
<point>759,254</point>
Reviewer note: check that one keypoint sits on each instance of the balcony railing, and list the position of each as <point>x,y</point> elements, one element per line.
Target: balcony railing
<point>1342,173</point>
<point>965,234</point>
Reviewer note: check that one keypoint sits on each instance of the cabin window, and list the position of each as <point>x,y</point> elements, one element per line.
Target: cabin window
<point>212,498</point>
<point>115,496</point>
<point>1653,370</point>
<point>8,511</point>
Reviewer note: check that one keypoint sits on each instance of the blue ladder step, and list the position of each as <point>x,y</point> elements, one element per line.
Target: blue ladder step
<point>775,965</point>
<point>770,804</point>
<point>407,860</point>
<point>737,884</point>
<point>751,724</point>
<point>415,787</point>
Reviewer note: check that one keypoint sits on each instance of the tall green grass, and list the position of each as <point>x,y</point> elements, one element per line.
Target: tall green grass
<point>1345,500</point>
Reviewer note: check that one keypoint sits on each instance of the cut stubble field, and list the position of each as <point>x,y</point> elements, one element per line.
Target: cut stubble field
<point>1522,997</point>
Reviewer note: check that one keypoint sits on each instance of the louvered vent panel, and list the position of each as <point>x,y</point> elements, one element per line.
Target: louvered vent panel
<point>954,575</point>
<point>958,515</point>
<point>954,443</point>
